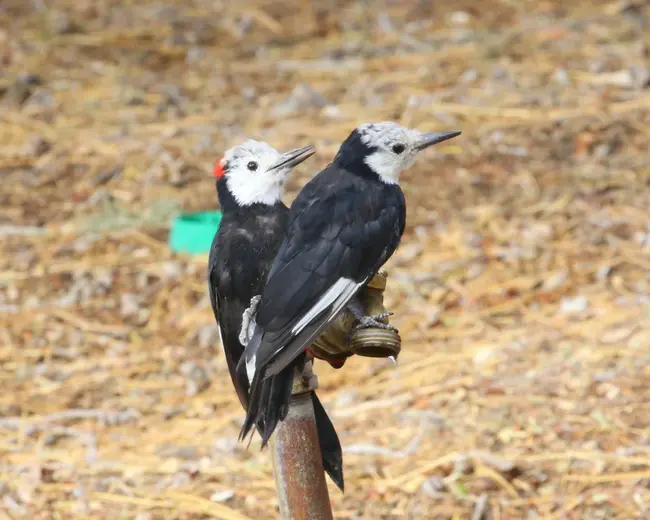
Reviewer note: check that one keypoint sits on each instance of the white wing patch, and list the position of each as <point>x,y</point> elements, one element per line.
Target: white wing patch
<point>216,305</point>
<point>334,292</point>
<point>336,296</point>
<point>344,297</point>
<point>223,347</point>
<point>250,368</point>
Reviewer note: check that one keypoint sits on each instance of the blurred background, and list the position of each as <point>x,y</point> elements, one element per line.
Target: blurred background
<point>521,289</point>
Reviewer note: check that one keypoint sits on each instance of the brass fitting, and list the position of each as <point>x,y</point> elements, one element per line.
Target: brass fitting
<point>341,340</point>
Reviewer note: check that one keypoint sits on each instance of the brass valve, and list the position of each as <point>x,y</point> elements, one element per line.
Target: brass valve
<point>342,340</point>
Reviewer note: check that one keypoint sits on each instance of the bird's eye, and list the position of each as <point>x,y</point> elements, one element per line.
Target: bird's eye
<point>252,166</point>
<point>398,148</point>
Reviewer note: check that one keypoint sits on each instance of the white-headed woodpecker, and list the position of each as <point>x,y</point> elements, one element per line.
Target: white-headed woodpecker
<point>344,225</point>
<point>250,183</point>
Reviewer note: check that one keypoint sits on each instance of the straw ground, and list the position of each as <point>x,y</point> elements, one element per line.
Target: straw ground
<point>521,288</point>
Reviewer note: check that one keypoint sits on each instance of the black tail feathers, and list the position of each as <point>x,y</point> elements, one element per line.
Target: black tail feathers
<point>330,446</point>
<point>269,403</point>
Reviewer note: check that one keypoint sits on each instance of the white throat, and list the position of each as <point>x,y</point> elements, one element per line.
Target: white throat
<point>387,166</point>
<point>262,189</point>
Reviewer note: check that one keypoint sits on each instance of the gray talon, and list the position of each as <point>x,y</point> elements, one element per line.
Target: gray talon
<point>368,322</point>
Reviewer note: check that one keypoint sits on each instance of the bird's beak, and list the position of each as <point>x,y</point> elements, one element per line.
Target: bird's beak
<point>293,158</point>
<point>427,140</point>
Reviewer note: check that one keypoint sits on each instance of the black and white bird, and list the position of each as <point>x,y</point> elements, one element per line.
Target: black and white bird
<point>345,224</point>
<point>250,183</point>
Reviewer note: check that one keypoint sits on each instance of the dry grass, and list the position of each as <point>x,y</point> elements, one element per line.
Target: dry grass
<point>521,289</point>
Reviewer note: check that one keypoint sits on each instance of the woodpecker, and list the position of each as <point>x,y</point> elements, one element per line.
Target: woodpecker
<point>344,225</point>
<point>250,183</point>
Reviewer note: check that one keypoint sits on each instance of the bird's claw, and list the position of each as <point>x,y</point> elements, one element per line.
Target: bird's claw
<point>372,322</point>
<point>248,321</point>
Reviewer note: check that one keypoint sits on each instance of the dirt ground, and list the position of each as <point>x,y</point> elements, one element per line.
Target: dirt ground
<point>521,289</point>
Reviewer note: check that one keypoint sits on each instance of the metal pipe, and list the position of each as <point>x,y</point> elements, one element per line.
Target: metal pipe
<point>297,463</point>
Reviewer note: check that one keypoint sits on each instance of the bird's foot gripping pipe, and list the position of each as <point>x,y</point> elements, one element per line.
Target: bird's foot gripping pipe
<point>367,322</point>
<point>248,321</point>
<point>362,329</point>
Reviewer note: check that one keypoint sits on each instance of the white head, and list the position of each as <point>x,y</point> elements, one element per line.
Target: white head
<point>254,171</point>
<point>392,148</point>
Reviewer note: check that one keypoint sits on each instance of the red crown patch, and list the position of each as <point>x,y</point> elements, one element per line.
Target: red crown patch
<point>218,169</point>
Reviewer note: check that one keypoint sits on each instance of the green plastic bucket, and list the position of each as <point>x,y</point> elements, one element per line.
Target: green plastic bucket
<point>193,232</point>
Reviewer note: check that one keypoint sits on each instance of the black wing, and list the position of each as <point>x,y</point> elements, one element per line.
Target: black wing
<point>336,242</point>
<point>231,287</point>
<point>342,230</point>
<point>228,314</point>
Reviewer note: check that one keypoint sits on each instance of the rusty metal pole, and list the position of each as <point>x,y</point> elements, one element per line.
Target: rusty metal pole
<point>297,463</point>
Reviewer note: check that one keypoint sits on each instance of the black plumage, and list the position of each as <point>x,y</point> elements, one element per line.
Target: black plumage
<point>242,252</point>
<point>345,223</point>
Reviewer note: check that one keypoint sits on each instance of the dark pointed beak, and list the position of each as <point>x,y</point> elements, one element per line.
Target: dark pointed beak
<point>294,157</point>
<point>430,139</point>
